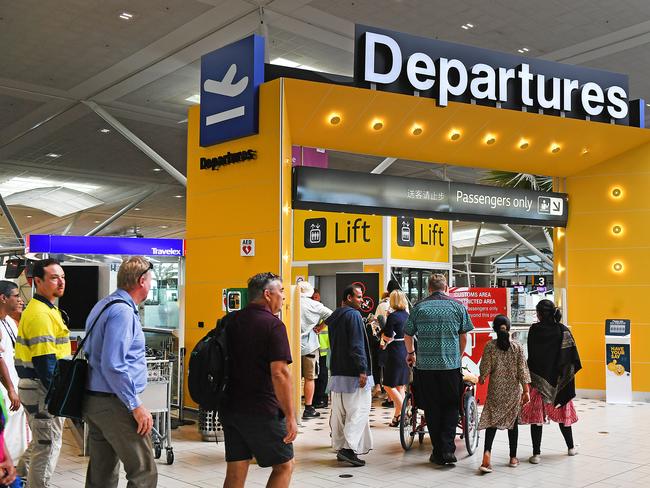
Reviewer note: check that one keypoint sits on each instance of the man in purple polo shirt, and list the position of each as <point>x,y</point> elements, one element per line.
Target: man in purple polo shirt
<point>257,414</point>
<point>119,425</point>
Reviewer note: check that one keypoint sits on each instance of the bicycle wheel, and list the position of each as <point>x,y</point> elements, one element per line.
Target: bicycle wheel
<point>408,423</point>
<point>470,423</point>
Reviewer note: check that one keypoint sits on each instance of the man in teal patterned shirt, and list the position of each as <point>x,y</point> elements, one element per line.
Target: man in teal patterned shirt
<point>440,325</point>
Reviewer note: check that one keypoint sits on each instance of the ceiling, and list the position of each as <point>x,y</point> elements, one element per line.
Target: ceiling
<point>58,55</point>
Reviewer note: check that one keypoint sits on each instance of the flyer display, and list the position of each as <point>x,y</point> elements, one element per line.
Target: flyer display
<point>618,372</point>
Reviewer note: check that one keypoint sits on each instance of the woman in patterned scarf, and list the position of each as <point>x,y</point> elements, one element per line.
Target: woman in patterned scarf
<point>553,362</point>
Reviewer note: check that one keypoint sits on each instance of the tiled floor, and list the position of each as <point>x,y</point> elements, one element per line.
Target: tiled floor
<point>614,451</point>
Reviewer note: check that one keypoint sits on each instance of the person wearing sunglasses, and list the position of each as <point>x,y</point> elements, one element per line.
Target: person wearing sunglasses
<point>119,425</point>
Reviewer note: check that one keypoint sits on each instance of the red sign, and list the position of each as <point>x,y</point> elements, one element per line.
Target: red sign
<point>483,304</point>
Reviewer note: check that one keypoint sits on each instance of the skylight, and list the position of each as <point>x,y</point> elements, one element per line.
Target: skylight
<point>19,183</point>
<point>58,201</point>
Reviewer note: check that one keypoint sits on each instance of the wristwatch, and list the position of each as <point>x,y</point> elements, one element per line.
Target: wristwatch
<point>412,352</point>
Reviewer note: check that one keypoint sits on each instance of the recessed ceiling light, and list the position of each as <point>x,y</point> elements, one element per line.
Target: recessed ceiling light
<point>178,196</point>
<point>136,208</point>
<point>416,130</point>
<point>454,135</point>
<point>164,226</point>
<point>157,169</point>
<point>555,148</point>
<point>126,16</point>
<point>97,221</point>
<point>523,144</point>
<point>467,26</point>
<point>490,139</point>
<point>196,98</point>
<point>377,124</point>
<point>104,130</point>
<point>53,155</point>
<point>334,118</point>
<point>29,216</point>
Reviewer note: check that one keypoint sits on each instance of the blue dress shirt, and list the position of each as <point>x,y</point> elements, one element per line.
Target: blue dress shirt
<point>115,350</point>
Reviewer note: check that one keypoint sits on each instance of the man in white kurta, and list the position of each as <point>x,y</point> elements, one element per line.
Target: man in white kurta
<point>16,431</point>
<point>351,381</point>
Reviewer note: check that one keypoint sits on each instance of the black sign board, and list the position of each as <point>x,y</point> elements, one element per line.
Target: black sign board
<point>347,191</point>
<point>403,63</point>
<point>617,327</point>
<point>405,232</point>
<point>369,284</point>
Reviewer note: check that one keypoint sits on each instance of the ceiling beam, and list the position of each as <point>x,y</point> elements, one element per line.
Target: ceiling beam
<point>383,166</point>
<point>137,142</point>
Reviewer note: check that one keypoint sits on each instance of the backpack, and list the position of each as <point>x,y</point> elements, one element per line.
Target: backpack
<point>209,366</point>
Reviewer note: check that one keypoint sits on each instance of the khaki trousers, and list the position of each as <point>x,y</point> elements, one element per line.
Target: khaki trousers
<point>47,432</point>
<point>113,437</point>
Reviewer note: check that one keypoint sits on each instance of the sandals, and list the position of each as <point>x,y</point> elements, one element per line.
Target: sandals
<point>395,421</point>
<point>485,468</point>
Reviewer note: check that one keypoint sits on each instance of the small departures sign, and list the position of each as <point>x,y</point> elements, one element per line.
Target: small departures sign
<point>229,158</point>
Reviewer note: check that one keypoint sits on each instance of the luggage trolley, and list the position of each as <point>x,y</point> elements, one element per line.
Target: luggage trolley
<point>157,398</point>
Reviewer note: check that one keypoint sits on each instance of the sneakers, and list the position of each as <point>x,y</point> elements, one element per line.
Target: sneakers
<point>572,452</point>
<point>485,468</point>
<point>436,459</point>
<point>535,459</point>
<point>310,413</point>
<point>349,456</point>
<point>321,405</point>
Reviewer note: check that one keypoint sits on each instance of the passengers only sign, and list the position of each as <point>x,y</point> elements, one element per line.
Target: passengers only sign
<point>352,192</point>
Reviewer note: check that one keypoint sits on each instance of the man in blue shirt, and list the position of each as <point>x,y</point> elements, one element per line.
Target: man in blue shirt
<point>119,426</point>
<point>351,381</point>
<point>440,324</point>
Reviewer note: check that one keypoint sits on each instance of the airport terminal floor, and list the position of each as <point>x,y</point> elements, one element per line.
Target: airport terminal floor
<point>612,442</point>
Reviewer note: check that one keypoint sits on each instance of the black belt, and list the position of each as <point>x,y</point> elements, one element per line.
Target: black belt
<point>100,393</point>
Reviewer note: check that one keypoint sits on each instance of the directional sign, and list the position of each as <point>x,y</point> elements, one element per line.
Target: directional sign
<point>348,191</point>
<point>230,78</point>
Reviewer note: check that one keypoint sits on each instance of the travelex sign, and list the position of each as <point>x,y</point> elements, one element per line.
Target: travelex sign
<point>230,78</point>
<point>104,245</point>
<point>447,71</point>
<point>348,191</point>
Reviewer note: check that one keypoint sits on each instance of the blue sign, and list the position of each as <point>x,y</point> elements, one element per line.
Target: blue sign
<point>230,78</point>
<point>105,245</point>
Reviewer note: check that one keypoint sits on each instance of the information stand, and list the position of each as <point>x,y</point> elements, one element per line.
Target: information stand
<point>618,371</point>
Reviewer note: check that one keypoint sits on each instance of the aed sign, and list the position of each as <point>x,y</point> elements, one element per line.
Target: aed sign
<point>397,62</point>
<point>420,239</point>
<point>324,236</point>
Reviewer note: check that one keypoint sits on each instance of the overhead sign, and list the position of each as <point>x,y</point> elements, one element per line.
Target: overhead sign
<point>230,78</point>
<point>336,190</point>
<point>398,62</point>
<point>420,239</point>
<point>324,236</point>
<point>105,245</point>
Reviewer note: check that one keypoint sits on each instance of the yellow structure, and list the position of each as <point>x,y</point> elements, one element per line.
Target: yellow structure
<point>604,168</point>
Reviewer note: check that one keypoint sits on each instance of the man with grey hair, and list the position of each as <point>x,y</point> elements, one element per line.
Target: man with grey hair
<point>312,314</point>
<point>440,324</point>
<point>257,413</point>
<point>119,425</point>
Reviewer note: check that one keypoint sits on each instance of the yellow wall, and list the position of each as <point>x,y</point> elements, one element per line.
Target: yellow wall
<point>595,291</point>
<point>238,201</point>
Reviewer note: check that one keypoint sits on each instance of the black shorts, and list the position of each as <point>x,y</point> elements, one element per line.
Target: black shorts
<point>255,435</point>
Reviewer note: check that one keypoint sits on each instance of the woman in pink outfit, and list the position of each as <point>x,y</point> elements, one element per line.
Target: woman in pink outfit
<point>553,361</point>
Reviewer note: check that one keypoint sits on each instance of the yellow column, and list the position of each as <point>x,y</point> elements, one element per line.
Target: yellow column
<point>607,246</point>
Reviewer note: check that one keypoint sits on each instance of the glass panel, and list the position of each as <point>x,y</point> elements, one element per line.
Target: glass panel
<point>161,307</point>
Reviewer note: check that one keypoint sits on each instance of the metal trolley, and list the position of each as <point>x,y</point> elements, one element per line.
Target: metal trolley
<point>157,398</point>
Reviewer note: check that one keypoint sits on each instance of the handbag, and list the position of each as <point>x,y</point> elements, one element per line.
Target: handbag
<point>66,392</point>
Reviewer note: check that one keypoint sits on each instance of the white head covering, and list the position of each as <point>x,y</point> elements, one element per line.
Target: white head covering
<point>306,290</point>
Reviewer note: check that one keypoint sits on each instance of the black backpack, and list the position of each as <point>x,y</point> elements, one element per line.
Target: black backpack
<point>208,366</point>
